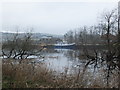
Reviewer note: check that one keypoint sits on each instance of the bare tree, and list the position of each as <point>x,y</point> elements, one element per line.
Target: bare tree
<point>20,47</point>
<point>110,55</point>
<point>69,37</point>
<point>118,41</point>
<point>108,25</point>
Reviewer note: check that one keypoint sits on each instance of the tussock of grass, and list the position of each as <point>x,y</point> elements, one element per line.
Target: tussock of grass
<point>26,75</point>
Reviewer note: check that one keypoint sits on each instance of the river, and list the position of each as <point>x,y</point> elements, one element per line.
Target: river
<point>60,60</point>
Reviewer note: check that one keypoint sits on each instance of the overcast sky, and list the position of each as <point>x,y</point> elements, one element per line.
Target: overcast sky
<point>51,17</point>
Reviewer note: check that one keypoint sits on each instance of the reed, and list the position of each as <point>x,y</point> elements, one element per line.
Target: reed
<point>26,75</point>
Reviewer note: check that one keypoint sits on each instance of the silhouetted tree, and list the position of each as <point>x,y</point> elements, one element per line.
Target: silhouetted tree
<point>20,47</point>
<point>111,54</point>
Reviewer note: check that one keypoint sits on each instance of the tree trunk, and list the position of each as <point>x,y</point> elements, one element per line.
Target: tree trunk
<point>119,56</point>
<point>118,38</point>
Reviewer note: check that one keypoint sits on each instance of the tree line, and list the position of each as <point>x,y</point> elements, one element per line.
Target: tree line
<point>105,30</point>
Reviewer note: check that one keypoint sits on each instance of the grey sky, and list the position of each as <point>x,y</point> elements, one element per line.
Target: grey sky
<point>51,17</point>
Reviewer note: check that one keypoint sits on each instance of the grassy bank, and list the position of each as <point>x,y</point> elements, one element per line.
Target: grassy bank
<point>31,75</point>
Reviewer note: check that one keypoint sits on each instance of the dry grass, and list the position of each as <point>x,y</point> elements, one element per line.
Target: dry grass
<point>25,75</point>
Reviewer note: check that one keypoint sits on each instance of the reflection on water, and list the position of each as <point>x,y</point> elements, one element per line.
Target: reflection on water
<point>63,59</point>
<point>73,61</point>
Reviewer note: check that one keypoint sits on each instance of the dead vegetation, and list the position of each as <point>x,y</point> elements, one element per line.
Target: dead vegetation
<point>37,75</point>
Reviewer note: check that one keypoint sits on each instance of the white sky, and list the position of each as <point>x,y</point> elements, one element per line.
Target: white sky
<point>53,17</point>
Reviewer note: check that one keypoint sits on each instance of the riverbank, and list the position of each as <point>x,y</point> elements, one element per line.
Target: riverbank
<point>37,75</point>
<point>87,46</point>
